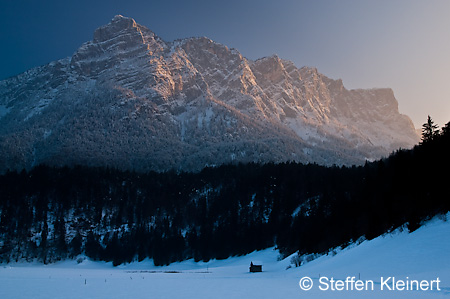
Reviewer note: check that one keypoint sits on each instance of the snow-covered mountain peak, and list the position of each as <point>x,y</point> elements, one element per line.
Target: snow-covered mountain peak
<point>115,28</point>
<point>119,17</point>
<point>138,102</point>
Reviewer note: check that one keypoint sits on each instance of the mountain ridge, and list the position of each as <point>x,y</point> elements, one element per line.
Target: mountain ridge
<point>138,102</point>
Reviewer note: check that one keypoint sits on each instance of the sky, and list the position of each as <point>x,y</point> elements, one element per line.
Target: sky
<point>401,44</point>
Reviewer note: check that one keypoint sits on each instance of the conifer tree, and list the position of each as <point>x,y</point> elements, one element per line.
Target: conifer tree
<point>446,128</point>
<point>429,130</point>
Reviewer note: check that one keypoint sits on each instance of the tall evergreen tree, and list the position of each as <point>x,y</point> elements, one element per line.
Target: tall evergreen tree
<point>429,130</point>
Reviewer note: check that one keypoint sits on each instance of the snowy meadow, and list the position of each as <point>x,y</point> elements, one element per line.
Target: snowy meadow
<point>420,255</point>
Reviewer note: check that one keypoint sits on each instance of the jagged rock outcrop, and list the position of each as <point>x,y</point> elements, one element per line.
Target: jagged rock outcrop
<point>130,100</point>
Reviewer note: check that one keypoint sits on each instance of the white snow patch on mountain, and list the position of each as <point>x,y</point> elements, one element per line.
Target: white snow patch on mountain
<point>4,110</point>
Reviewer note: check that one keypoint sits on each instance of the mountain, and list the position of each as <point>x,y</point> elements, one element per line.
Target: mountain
<point>131,100</point>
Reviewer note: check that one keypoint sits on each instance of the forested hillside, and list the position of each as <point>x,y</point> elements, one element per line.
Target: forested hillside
<point>56,213</point>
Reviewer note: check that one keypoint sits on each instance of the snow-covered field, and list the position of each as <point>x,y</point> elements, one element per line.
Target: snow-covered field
<point>421,255</point>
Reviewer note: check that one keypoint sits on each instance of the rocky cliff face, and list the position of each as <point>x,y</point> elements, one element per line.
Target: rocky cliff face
<point>128,99</point>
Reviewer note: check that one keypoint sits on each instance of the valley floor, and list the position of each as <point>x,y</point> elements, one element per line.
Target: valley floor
<point>421,255</point>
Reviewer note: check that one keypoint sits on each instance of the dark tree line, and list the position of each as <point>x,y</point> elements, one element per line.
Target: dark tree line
<point>56,213</point>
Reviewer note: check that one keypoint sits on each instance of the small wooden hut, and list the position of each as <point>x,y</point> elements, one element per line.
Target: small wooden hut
<point>257,267</point>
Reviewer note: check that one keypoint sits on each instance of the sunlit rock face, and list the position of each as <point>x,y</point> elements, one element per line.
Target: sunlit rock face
<point>130,100</point>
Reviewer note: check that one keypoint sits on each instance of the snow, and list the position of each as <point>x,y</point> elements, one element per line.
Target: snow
<point>422,254</point>
<point>4,110</point>
<point>41,105</point>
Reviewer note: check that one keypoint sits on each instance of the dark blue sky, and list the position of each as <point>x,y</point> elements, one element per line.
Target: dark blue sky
<point>402,44</point>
